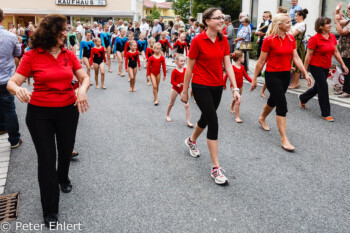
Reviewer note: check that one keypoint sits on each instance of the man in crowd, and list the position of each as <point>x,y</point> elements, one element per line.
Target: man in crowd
<point>157,30</point>
<point>95,29</point>
<point>79,31</point>
<point>161,23</point>
<point>295,8</point>
<point>111,26</point>
<point>9,48</point>
<point>180,22</point>
<point>230,31</point>
<point>144,27</point>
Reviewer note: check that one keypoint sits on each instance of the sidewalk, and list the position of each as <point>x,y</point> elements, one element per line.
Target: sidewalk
<point>5,150</point>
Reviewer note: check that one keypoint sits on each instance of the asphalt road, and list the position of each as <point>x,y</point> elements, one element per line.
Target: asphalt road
<point>134,172</point>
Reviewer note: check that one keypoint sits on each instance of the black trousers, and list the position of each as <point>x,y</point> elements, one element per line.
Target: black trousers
<point>346,87</point>
<point>208,99</point>
<point>321,88</point>
<point>46,126</point>
<point>277,83</point>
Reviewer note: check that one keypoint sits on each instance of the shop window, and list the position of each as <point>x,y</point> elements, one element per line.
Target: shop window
<point>7,21</point>
<point>82,19</point>
<point>254,13</point>
<point>150,11</point>
<point>102,20</point>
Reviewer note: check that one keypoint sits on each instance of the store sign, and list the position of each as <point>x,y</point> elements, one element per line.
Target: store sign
<point>81,2</point>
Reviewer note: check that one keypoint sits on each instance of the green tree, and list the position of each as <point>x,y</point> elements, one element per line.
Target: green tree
<point>169,1</point>
<point>182,8</point>
<point>155,13</point>
<point>228,7</point>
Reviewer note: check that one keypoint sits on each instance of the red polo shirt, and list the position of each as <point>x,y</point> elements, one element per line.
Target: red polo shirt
<point>209,59</point>
<point>52,77</point>
<point>280,52</point>
<point>323,50</point>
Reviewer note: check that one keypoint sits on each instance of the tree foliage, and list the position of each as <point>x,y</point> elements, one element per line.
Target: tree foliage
<point>228,7</point>
<point>182,8</point>
<point>155,13</point>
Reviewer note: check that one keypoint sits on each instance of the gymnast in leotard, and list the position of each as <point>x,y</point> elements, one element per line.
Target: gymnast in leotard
<point>96,58</point>
<point>106,43</point>
<point>132,59</point>
<point>85,51</point>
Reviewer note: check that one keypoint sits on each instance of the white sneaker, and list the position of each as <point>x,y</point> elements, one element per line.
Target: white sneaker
<point>216,174</point>
<point>193,148</point>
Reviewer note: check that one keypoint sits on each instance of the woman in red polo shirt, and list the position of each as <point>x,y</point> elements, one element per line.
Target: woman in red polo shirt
<point>278,48</point>
<point>209,50</point>
<point>320,49</point>
<point>53,108</point>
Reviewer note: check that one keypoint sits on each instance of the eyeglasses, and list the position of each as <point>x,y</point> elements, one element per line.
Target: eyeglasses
<point>218,18</point>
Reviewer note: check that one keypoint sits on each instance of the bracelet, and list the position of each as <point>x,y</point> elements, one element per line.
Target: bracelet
<point>236,89</point>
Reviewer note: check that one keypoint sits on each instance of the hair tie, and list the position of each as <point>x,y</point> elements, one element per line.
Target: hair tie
<point>234,55</point>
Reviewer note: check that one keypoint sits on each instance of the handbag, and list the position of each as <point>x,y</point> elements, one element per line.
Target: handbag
<point>246,46</point>
<point>336,78</point>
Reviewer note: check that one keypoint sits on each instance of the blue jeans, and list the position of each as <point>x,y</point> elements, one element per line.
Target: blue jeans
<point>8,116</point>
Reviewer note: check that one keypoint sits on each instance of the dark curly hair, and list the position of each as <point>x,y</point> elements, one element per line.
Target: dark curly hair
<point>208,13</point>
<point>49,29</point>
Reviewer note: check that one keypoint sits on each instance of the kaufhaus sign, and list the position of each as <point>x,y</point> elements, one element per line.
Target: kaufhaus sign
<point>81,2</point>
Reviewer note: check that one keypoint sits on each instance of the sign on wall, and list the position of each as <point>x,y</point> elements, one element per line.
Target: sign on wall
<point>81,2</point>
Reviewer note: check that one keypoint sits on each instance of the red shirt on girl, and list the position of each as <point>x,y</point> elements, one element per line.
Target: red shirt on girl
<point>154,64</point>
<point>164,43</point>
<point>177,77</point>
<point>280,52</point>
<point>323,50</point>
<point>52,77</point>
<point>131,59</point>
<point>239,74</point>
<point>127,47</point>
<point>149,53</point>
<point>209,59</point>
<point>97,55</point>
<point>181,46</point>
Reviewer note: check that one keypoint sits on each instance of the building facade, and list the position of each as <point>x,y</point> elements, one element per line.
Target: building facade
<point>87,11</point>
<point>316,8</point>
<point>164,8</point>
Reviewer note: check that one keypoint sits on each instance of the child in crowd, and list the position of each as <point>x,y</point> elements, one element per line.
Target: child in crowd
<point>238,68</point>
<point>119,45</point>
<point>142,45</point>
<point>132,59</point>
<point>153,70</point>
<point>164,43</point>
<point>131,38</point>
<point>114,37</point>
<point>96,59</point>
<point>106,43</point>
<point>72,40</point>
<point>177,80</point>
<point>85,51</point>
<point>173,41</point>
<point>181,45</point>
<point>149,53</point>
<point>201,27</point>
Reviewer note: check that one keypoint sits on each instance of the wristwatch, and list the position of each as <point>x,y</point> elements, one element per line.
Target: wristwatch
<point>235,89</point>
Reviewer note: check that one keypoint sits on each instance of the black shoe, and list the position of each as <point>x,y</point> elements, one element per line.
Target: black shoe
<point>51,221</point>
<point>66,187</point>
<point>20,141</point>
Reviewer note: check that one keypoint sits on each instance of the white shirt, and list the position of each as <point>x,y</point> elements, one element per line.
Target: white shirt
<point>144,28</point>
<point>80,29</point>
<point>181,24</point>
<point>299,26</point>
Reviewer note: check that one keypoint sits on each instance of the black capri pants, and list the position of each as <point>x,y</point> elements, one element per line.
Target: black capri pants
<point>46,126</point>
<point>208,99</point>
<point>277,83</point>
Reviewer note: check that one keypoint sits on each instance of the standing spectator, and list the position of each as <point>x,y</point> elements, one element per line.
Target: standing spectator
<point>243,15</point>
<point>175,29</point>
<point>344,47</point>
<point>130,28</point>
<point>137,30</point>
<point>261,33</point>
<point>244,35</point>
<point>161,23</point>
<point>111,26</point>
<point>170,28</point>
<point>12,29</point>
<point>120,25</point>
<point>295,8</point>
<point>79,31</point>
<point>190,34</point>
<point>180,22</point>
<point>230,33</point>
<point>320,50</point>
<point>53,107</point>
<point>18,28</point>
<point>95,29</point>
<point>144,27</point>
<point>281,10</point>
<point>298,31</point>
<point>9,48</point>
<point>157,29</point>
